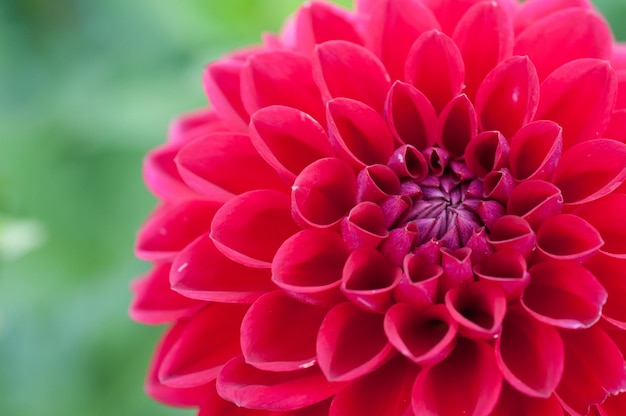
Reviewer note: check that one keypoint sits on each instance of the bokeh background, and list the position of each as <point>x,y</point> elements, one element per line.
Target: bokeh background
<point>86,88</point>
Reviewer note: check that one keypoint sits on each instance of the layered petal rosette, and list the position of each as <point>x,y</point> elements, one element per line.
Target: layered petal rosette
<point>416,208</point>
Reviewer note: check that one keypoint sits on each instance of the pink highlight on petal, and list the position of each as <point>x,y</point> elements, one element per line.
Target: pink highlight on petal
<point>536,150</point>
<point>222,83</point>
<point>364,226</point>
<point>376,183</point>
<point>418,285</point>
<point>511,232</point>
<point>457,125</point>
<point>564,294</point>
<point>424,336</point>
<point>568,237</point>
<point>309,265</point>
<point>324,193</point>
<point>535,201</point>
<point>505,268</point>
<point>407,162</point>
<point>351,343</point>
<point>487,152</point>
<point>161,175</point>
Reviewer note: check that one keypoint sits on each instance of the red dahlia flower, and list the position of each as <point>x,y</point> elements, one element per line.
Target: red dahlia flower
<point>413,209</point>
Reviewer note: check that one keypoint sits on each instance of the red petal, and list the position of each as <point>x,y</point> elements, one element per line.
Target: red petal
<point>514,403</point>
<point>334,70</point>
<point>512,232</point>
<point>324,193</point>
<point>161,175</point>
<point>535,201</point>
<point>288,139</point>
<point>525,340</point>
<point>215,405</point>
<point>486,152</point>
<point>536,150</point>
<point>268,320</point>
<point>508,97</point>
<point>564,294</point>
<point>172,227</point>
<point>376,183</point>
<point>531,11</point>
<point>364,226</point>
<point>458,125</point>
<point>407,162</point>
<point>191,126</point>
<point>223,164</point>
<point>435,67</point>
<point>614,405</point>
<point>202,272</point>
<point>457,269</point>
<point>249,228</point>
<point>620,102</point>
<point>472,363</point>
<point>610,273</point>
<point>207,341</point>
<point>606,215</point>
<point>505,268</point>
<point>424,336</point>
<point>583,86</point>
<point>411,117</point>
<point>222,83</point>
<point>617,126</point>
<point>418,285</point>
<point>309,265</point>
<point>568,237</point>
<point>280,77</point>
<point>564,36</point>
<point>385,392</point>
<point>358,132</point>
<point>154,302</point>
<point>351,343</point>
<point>485,38</point>
<point>252,388</point>
<point>369,279</point>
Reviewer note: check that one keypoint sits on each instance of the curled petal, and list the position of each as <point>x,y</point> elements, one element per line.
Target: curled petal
<point>568,237</point>
<point>351,343</point>
<point>364,226</point>
<point>411,117</point>
<point>478,308</point>
<point>252,388</point>
<point>512,232</point>
<point>424,336</point>
<point>498,186</point>
<point>369,279</point>
<point>536,150</point>
<point>273,316</point>
<point>288,139</point>
<point>490,210</point>
<point>376,183</point>
<point>172,227</point>
<point>309,265</point>
<point>606,215</point>
<point>525,340</point>
<point>514,403</point>
<point>583,86</point>
<point>505,268</point>
<point>334,65</point>
<point>435,67</point>
<point>564,294</point>
<point>208,340</point>
<point>222,83</point>
<point>437,158</point>
<point>199,271</point>
<point>535,201</point>
<point>471,363</point>
<point>224,164</point>
<point>395,208</point>
<point>280,77</point>
<point>418,285</point>
<point>486,152</point>
<point>457,269</point>
<point>457,125</point>
<point>508,97</point>
<point>407,162</point>
<point>358,132</point>
<point>324,193</point>
<point>574,33</point>
<point>249,228</point>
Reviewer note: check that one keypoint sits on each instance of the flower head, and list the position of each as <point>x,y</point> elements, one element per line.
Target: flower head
<point>412,209</point>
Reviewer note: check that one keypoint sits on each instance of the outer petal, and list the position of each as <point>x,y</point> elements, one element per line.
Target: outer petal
<point>614,405</point>
<point>583,86</point>
<point>606,215</point>
<point>536,150</point>
<point>222,83</point>
<point>249,387</point>
<point>611,273</point>
<point>535,201</point>
<point>511,232</point>
<point>472,363</point>
<point>532,11</point>
<point>568,237</point>
<point>351,343</point>
<point>514,403</point>
<point>249,228</point>
<point>161,175</point>
<point>505,268</point>
<point>215,405</point>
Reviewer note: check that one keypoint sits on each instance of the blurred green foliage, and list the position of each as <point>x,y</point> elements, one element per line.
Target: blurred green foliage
<point>86,88</point>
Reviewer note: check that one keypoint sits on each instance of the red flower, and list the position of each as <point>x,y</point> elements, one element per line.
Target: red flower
<point>414,209</point>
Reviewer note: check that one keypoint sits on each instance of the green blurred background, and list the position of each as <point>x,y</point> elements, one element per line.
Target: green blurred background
<point>86,88</point>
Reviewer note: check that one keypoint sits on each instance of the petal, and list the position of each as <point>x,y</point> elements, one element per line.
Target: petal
<point>161,175</point>
<point>410,115</point>
<point>376,183</point>
<point>530,354</point>
<point>507,99</point>
<point>252,388</point>
<point>324,193</point>
<point>564,36</point>
<point>215,405</point>
<point>485,38</point>
<point>288,139</point>
<point>511,232</point>
<point>591,170</point>
<point>564,294</point>
<point>202,272</point>
<point>472,363</point>
<point>172,227</point>
<point>407,162</point>
<point>364,226</point>
<point>208,340</point>
<point>610,273</point>
<point>418,285</point>
<point>424,336</point>
<point>309,265</point>
<point>435,67</point>
<point>334,66</point>
<point>358,132</point>
<point>223,164</point>
<point>536,150</point>
<point>154,302</point>
<point>222,83</point>
<point>614,405</point>
<point>514,403</point>
<point>617,126</point>
<point>505,268</point>
<point>272,317</point>
<point>535,201</point>
<point>384,392</point>
<point>457,269</point>
<point>458,125</point>
<point>583,86</point>
<point>280,77</point>
<point>606,215</point>
<point>486,152</point>
<point>531,11</point>
<point>351,343</point>
<point>249,228</point>
<point>568,237</point>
